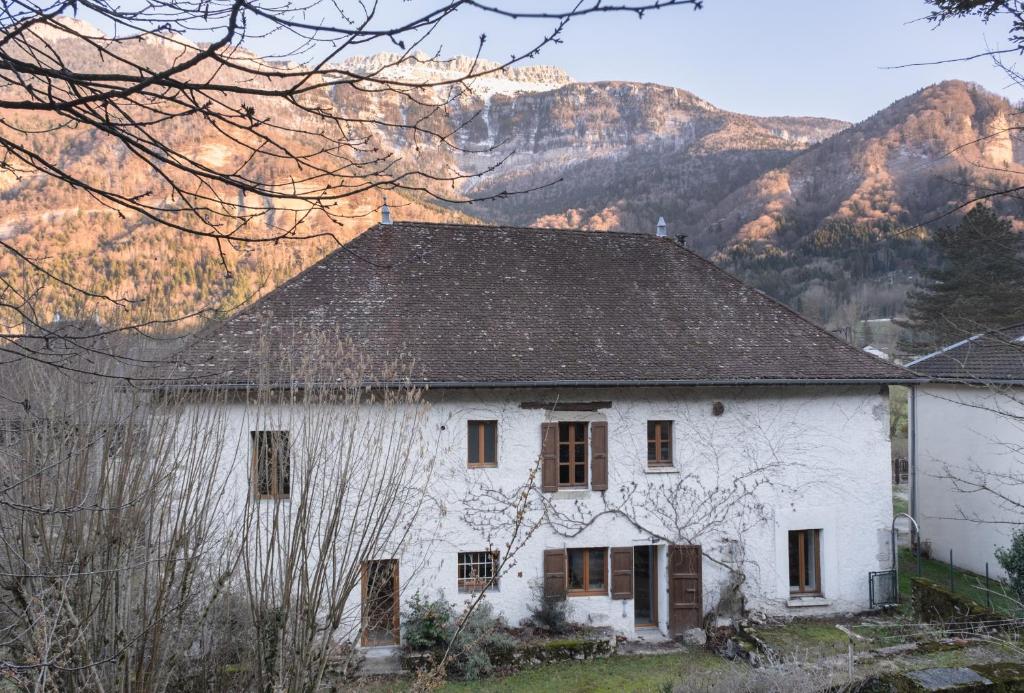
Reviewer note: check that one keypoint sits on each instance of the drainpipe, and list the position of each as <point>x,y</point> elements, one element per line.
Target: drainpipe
<point>912,448</point>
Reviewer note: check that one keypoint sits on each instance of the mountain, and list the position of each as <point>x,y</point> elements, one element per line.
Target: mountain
<point>837,231</point>
<point>817,212</point>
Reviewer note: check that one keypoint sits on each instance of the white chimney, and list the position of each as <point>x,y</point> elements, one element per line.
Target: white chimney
<point>385,213</point>
<point>662,228</point>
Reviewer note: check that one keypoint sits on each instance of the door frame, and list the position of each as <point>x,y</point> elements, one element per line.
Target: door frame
<point>675,626</point>
<point>395,623</point>
<point>655,596</point>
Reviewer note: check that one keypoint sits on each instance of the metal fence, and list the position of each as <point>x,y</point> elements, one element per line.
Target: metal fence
<point>884,588</point>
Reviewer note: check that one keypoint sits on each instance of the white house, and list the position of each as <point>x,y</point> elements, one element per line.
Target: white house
<point>967,447</point>
<point>695,446</point>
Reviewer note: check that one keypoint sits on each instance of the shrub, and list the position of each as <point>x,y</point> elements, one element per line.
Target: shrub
<point>1011,559</point>
<point>483,642</point>
<point>549,613</point>
<point>428,623</point>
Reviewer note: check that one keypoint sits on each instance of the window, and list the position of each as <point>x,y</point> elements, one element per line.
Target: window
<point>271,464</point>
<point>804,561</point>
<point>476,568</point>
<point>572,453</point>
<point>586,570</point>
<point>483,443</point>
<point>659,443</point>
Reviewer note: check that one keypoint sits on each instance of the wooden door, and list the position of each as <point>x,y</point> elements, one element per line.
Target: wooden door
<point>685,601</point>
<point>380,603</point>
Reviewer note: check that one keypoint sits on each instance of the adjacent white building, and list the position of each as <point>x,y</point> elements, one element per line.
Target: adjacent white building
<point>967,447</point>
<point>603,415</point>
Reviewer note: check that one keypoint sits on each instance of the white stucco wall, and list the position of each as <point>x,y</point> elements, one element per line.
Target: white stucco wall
<point>827,447</point>
<point>974,434</point>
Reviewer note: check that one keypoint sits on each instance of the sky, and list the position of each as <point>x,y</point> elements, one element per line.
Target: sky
<point>762,57</point>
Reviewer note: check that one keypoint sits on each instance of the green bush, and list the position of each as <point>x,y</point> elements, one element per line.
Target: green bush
<point>430,625</point>
<point>550,613</point>
<point>1012,560</point>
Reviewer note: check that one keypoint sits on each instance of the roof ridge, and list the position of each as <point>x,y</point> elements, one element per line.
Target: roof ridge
<point>967,340</point>
<point>505,227</point>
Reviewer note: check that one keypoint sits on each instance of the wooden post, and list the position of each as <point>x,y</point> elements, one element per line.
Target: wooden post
<point>988,592</point>
<point>951,588</point>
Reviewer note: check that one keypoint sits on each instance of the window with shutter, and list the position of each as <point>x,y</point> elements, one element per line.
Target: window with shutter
<point>622,572</point>
<point>586,571</point>
<point>572,454</point>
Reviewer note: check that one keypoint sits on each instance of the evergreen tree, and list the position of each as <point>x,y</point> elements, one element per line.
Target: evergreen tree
<point>978,285</point>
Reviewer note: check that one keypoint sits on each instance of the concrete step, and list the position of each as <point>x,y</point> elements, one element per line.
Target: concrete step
<point>381,661</point>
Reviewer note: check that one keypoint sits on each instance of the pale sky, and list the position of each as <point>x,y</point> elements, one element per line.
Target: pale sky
<point>763,57</point>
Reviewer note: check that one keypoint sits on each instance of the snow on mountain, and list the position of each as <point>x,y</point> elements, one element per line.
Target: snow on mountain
<point>420,69</point>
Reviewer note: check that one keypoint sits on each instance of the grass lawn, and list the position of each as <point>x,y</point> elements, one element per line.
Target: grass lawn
<point>900,505</point>
<point>964,583</point>
<point>804,638</point>
<point>612,675</point>
<point>619,674</point>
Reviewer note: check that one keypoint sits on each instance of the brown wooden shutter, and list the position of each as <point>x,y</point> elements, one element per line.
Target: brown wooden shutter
<point>599,456</point>
<point>622,572</point>
<point>549,457</point>
<point>554,572</point>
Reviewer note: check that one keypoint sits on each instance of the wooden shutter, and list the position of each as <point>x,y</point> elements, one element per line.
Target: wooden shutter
<point>622,572</point>
<point>554,572</point>
<point>599,456</point>
<point>549,457</point>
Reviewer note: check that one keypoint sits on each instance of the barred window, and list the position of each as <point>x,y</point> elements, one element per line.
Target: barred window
<point>476,568</point>
<point>10,432</point>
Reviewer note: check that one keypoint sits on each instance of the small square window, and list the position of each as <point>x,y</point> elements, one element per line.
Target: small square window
<point>586,571</point>
<point>659,443</point>
<point>482,443</point>
<point>805,561</point>
<point>477,569</point>
<point>271,463</point>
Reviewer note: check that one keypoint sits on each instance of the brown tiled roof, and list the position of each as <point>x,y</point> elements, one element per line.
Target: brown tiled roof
<point>494,305</point>
<point>992,357</point>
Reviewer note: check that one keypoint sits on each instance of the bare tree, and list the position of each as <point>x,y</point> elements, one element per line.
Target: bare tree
<point>178,536</point>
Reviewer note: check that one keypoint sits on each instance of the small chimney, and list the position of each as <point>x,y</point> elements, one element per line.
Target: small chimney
<point>385,213</point>
<point>662,228</point>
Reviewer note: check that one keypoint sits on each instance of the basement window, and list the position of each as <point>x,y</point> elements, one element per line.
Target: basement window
<point>476,569</point>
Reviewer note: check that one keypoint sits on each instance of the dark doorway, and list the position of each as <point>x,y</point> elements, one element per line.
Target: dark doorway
<point>684,588</point>
<point>380,603</point>
<point>645,576</point>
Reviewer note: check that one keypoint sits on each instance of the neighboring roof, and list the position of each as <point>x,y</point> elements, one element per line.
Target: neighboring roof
<point>503,306</point>
<point>992,357</point>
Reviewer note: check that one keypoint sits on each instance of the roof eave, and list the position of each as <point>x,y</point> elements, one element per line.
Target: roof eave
<point>520,384</point>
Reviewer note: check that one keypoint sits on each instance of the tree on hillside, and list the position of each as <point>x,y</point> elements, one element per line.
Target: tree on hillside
<point>977,286</point>
<point>305,140</point>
